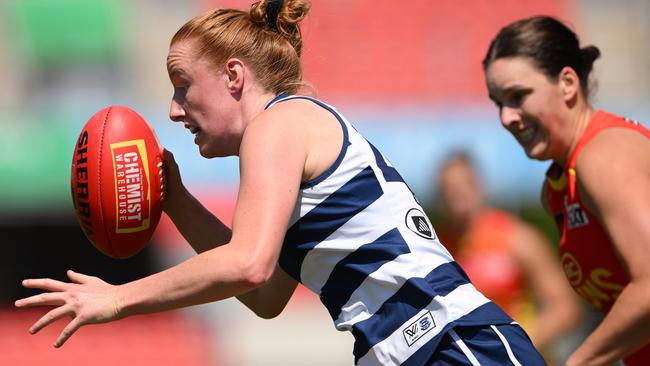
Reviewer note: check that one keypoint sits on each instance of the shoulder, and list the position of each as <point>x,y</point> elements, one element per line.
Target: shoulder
<point>282,121</point>
<point>275,131</point>
<point>295,114</point>
<point>299,107</point>
<point>613,150</point>
<point>612,134</point>
<point>612,160</point>
<point>299,128</point>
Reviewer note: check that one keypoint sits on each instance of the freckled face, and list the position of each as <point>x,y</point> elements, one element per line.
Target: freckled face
<point>529,106</point>
<point>203,102</point>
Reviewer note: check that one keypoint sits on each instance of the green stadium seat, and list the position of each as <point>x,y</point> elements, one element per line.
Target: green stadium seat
<point>61,31</point>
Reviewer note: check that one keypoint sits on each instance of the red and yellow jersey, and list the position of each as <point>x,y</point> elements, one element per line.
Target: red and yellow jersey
<point>485,252</point>
<point>588,257</point>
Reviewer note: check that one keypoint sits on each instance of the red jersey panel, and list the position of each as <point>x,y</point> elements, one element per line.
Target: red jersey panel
<point>588,257</point>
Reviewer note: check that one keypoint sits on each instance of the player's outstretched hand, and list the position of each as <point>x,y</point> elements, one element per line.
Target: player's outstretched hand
<point>86,299</point>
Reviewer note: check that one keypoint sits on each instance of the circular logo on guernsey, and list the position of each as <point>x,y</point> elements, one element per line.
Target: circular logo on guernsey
<point>572,269</point>
<point>419,223</point>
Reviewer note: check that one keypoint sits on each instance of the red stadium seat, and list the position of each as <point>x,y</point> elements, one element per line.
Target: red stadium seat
<point>165,339</point>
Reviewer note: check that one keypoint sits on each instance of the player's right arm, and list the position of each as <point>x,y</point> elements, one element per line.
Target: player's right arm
<point>269,300</point>
<point>200,227</point>
<point>204,231</point>
<point>613,179</point>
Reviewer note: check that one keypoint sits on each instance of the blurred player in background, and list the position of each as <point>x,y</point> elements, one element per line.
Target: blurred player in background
<point>598,186</point>
<point>508,260</point>
<point>317,204</point>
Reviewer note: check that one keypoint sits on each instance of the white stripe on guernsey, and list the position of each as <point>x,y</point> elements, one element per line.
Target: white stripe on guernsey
<point>394,350</point>
<point>380,285</point>
<point>463,347</point>
<point>503,339</point>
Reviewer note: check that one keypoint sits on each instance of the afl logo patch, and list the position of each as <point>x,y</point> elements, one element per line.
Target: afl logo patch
<point>419,223</point>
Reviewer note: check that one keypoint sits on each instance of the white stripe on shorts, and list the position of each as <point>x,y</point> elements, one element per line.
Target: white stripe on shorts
<point>463,347</point>
<point>511,355</point>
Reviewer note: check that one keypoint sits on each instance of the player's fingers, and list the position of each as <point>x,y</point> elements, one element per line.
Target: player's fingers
<point>44,284</point>
<point>67,332</point>
<point>79,278</point>
<point>161,173</point>
<point>169,163</point>
<point>46,298</point>
<point>51,316</point>
<point>168,156</point>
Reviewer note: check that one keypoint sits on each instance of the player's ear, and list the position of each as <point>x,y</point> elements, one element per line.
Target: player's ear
<point>235,74</point>
<point>569,83</point>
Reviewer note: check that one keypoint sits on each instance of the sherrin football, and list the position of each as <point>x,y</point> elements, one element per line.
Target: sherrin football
<point>116,181</point>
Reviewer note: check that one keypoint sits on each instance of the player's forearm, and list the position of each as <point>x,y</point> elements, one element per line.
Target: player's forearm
<point>210,276</point>
<point>201,229</point>
<point>625,329</point>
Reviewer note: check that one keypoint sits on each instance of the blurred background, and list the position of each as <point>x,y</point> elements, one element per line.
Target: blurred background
<point>407,74</point>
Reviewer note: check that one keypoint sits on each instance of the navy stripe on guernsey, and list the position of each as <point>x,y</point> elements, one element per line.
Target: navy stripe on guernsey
<point>412,297</point>
<point>350,272</point>
<point>327,217</point>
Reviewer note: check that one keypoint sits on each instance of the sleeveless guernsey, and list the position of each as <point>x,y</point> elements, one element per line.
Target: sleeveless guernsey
<point>360,240</point>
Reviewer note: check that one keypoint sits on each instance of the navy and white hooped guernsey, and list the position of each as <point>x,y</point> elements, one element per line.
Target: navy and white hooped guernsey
<point>360,240</point>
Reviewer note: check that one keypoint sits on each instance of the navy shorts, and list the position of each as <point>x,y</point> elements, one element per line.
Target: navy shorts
<point>506,344</point>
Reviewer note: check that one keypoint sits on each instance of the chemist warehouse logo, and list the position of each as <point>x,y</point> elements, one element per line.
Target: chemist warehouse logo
<point>132,194</point>
<point>419,223</point>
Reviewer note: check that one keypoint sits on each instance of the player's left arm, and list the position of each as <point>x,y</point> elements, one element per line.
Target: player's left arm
<point>613,174</point>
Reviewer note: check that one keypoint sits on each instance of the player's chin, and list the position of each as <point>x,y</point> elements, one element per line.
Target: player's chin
<point>209,152</point>
<point>537,153</point>
<point>206,155</point>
